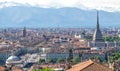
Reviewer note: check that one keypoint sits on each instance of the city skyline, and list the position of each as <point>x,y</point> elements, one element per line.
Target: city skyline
<point>59,35</point>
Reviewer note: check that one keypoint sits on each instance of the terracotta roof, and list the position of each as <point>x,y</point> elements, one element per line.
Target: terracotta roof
<point>2,68</point>
<point>89,66</point>
<point>17,69</point>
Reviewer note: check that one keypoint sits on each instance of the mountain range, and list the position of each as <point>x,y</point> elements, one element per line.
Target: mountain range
<point>18,15</point>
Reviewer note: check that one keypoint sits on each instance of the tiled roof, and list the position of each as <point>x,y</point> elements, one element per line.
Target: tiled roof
<point>2,68</point>
<point>89,66</point>
<point>17,69</point>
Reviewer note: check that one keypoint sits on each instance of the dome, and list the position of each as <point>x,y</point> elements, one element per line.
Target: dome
<point>13,58</point>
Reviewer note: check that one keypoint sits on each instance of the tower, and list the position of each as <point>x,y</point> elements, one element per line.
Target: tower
<point>24,32</point>
<point>97,36</point>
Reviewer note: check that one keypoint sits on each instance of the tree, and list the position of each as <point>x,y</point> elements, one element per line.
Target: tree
<point>34,70</point>
<point>104,61</point>
<point>59,60</point>
<point>98,58</point>
<point>44,69</point>
<point>112,39</point>
<point>47,69</point>
<point>50,60</point>
<point>41,61</point>
<point>114,56</point>
<point>75,60</point>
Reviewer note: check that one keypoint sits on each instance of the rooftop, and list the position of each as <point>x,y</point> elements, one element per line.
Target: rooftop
<point>89,66</point>
<point>2,68</point>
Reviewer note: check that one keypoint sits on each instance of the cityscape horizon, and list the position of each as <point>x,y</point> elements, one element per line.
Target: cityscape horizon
<point>59,35</point>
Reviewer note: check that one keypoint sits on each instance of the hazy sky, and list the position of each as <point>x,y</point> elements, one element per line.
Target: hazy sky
<point>106,5</point>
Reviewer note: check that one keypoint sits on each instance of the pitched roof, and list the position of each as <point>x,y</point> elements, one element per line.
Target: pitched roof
<point>2,68</point>
<point>17,69</point>
<point>89,66</point>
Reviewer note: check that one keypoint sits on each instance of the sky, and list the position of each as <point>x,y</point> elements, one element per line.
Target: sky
<point>105,5</point>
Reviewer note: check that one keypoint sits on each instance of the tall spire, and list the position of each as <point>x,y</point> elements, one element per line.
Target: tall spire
<point>97,34</point>
<point>97,21</point>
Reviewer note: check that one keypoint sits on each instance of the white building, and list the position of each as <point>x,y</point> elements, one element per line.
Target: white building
<point>14,60</point>
<point>79,36</point>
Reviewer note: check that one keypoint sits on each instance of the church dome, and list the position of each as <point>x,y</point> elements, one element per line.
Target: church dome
<point>13,58</point>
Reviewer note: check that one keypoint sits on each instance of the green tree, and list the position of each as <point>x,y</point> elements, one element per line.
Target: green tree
<point>50,60</point>
<point>75,60</point>
<point>59,60</point>
<point>114,56</point>
<point>98,58</point>
<point>112,39</point>
<point>41,61</point>
<point>47,69</point>
<point>104,61</point>
<point>35,70</point>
